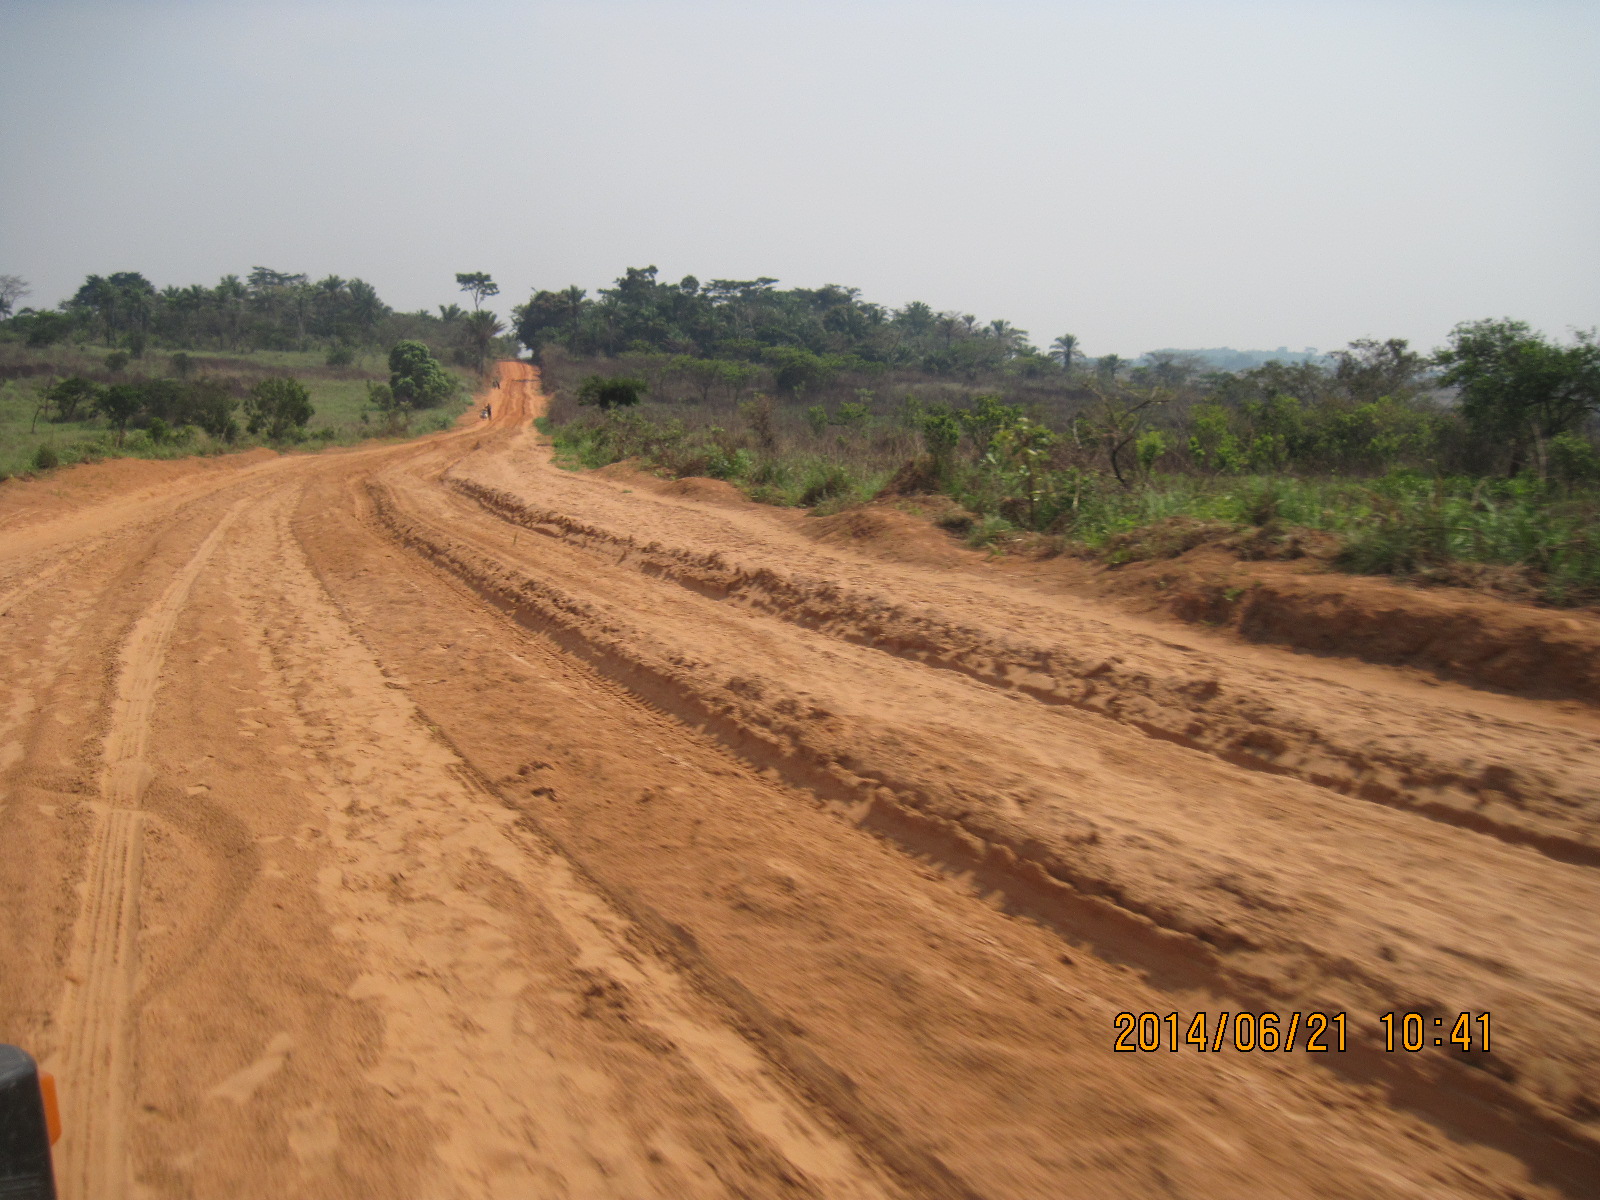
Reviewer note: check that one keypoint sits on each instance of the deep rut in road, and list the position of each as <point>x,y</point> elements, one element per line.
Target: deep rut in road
<point>1242,728</point>
<point>336,679</point>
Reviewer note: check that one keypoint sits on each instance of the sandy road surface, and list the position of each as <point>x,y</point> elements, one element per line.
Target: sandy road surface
<point>426,821</point>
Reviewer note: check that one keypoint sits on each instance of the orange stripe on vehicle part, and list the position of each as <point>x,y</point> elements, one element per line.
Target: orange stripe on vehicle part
<point>52,1110</point>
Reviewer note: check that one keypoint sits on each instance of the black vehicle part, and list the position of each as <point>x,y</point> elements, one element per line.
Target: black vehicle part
<point>25,1168</point>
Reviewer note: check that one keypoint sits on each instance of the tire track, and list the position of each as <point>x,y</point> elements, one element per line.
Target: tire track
<point>660,1001</point>
<point>97,1069</point>
<point>1240,729</point>
<point>1465,1100</point>
<point>37,580</point>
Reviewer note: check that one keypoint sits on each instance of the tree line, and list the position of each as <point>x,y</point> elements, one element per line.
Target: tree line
<point>267,309</point>
<point>1500,397</point>
<point>754,321</point>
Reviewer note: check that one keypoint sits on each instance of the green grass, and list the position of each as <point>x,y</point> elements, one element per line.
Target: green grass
<point>826,479</point>
<point>338,394</point>
<point>1404,524</point>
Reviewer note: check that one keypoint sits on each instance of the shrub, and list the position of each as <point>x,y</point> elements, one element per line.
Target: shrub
<point>941,432</point>
<point>826,481</point>
<point>116,361</point>
<point>45,458</point>
<point>758,413</point>
<point>852,414</point>
<point>416,378</point>
<point>619,391</point>
<point>1151,445</point>
<point>340,356</point>
<point>71,397</point>
<point>1573,459</point>
<point>278,407</point>
<point>987,531</point>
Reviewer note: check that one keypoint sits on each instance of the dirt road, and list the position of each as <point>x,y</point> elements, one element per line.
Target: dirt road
<point>426,821</point>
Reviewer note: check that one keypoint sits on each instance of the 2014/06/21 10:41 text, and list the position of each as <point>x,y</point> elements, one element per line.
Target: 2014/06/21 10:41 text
<point>1313,1032</point>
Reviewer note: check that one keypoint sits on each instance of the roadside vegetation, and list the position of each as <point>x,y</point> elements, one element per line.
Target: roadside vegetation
<point>1476,464</point>
<point>122,368</point>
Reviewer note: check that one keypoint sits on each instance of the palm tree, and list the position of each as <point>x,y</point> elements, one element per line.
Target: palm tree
<point>573,304</point>
<point>99,295</point>
<point>1064,350</point>
<point>1009,338</point>
<point>482,327</point>
<point>365,307</point>
<point>916,316</point>
<point>229,297</point>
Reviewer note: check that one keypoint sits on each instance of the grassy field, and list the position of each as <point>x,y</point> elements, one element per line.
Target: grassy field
<point>338,394</point>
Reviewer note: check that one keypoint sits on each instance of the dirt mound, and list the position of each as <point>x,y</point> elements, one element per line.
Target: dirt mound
<point>712,491</point>
<point>1163,539</point>
<point>1277,589</point>
<point>627,469</point>
<point>888,532</point>
<point>916,477</point>
<point>1486,641</point>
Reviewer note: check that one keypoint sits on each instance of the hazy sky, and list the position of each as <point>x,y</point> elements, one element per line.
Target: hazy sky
<point>1140,174</point>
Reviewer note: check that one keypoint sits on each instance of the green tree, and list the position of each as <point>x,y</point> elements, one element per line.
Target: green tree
<point>396,414</point>
<point>1212,443</point>
<point>278,407</point>
<point>416,378</point>
<point>72,396</point>
<point>987,417</point>
<point>1518,389</point>
<point>1020,453</point>
<point>1149,446</point>
<point>796,370</point>
<point>1368,370</point>
<point>478,285</point>
<point>1123,414</point>
<point>1573,460</point>
<point>123,301</point>
<point>210,403</point>
<point>44,328</point>
<point>119,404</point>
<point>1065,351</point>
<point>605,394</point>
<point>482,327</point>
<point>550,317</point>
<point>1007,337</point>
<point>941,433</point>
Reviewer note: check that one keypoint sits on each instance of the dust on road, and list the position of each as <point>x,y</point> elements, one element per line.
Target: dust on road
<point>425,820</point>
